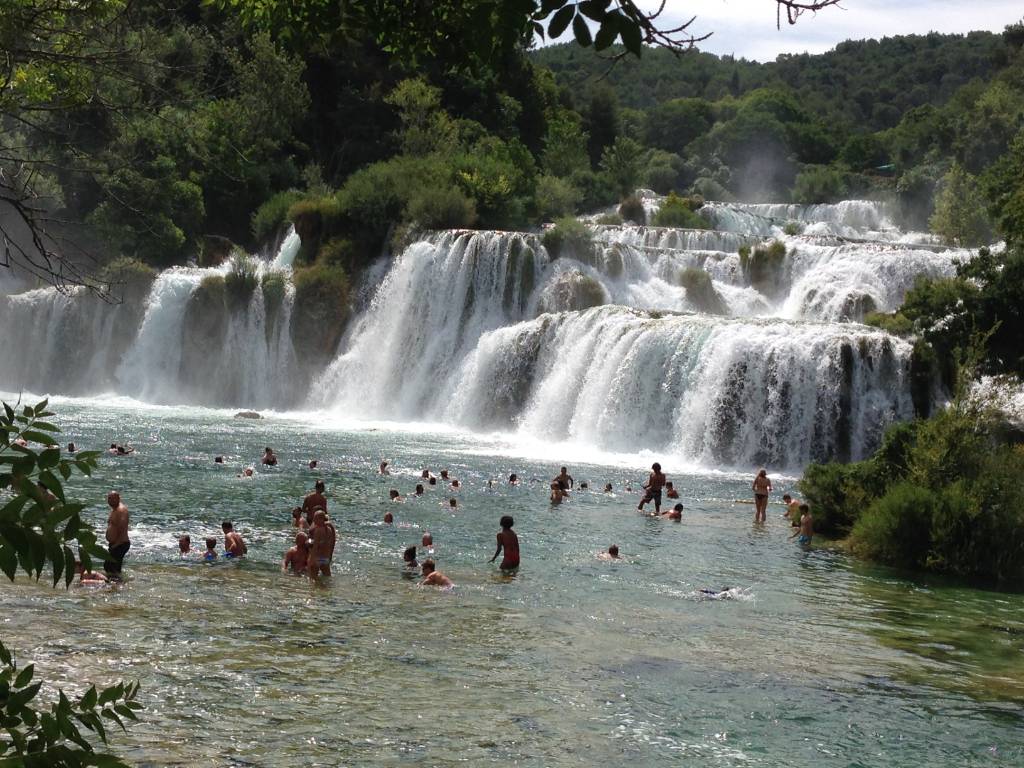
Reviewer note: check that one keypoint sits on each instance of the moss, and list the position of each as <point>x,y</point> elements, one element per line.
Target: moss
<point>793,228</point>
<point>574,291</point>
<point>204,328</point>
<point>446,208</point>
<point>632,209</point>
<point>271,217</point>
<point>569,237</point>
<point>763,264</point>
<point>320,312</point>
<point>274,286</point>
<point>215,250</point>
<point>700,290</point>
<point>609,220</point>
<point>129,279</point>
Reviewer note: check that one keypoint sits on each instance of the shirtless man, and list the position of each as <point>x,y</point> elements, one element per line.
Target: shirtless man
<point>384,468</point>
<point>806,529</point>
<point>564,480</point>
<point>433,577</point>
<point>676,513</point>
<point>322,537</point>
<point>557,493</point>
<point>394,495</point>
<point>185,546</point>
<point>234,546</point>
<point>792,512</point>
<point>296,559</point>
<point>654,484</point>
<point>315,500</point>
<point>117,535</point>
<point>611,554</point>
<point>269,458</point>
<point>298,521</point>
<point>761,487</point>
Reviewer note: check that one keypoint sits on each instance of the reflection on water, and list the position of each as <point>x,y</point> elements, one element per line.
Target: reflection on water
<point>576,661</point>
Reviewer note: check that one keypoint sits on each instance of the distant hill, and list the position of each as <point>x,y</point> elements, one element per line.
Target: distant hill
<point>867,84</point>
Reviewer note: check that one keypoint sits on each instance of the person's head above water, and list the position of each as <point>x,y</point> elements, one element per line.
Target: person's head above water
<point>613,550</point>
<point>184,543</point>
<point>425,474</point>
<point>428,567</point>
<point>787,498</point>
<point>656,467</point>
<point>113,498</point>
<point>452,503</point>
<point>419,489</point>
<point>211,543</point>
<point>297,512</point>
<point>507,521</point>
<point>319,517</point>
<point>313,464</point>
<point>389,518</point>
<point>677,508</point>
<point>565,470</point>
<point>319,486</point>
<point>71,448</point>
<point>409,555</point>
<point>301,539</point>
<point>218,459</point>
<point>393,493</point>
<point>444,474</point>
<point>762,473</point>
<point>227,526</point>
<point>607,487</point>
<point>267,450</point>
<point>668,484</point>
<point>428,540</point>
<point>513,478</point>
<point>432,480</point>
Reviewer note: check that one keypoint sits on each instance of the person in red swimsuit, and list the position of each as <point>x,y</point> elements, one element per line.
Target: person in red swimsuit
<point>508,541</point>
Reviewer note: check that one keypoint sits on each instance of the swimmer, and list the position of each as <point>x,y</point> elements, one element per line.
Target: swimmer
<point>557,493</point>
<point>185,545</point>
<point>234,546</point>
<point>513,479</point>
<point>456,485</point>
<point>71,448</point>
<point>653,487</point>
<point>248,472</point>
<point>383,469</point>
<point>761,487</point>
<point>269,458</point>
<point>676,513</point>
<point>453,504</point>
<point>314,464</point>
<point>607,488</point>
<point>432,482</point>
<point>298,521</point>
<point>433,577</point>
<point>125,450</point>
<point>89,577</point>
<point>419,489</point>
<point>296,559</point>
<point>444,474</point>
<point>806,529</point>
<point>425,474</point>
<point>409,557</point>
<point>564,479</point>
<point>611,554</point>
<point>315,500</point>
<point>670,491</point>
<point>323,538</point>
<point>118,542</point>
<point>584,486</point>
<point>792,512</point>
<point>395,495</point>
<point>211,549</point>
<point>389,518</point>
<point>508,541</point>
<point>218,459</point>
<point>427,541</point>
<point>112,449</point>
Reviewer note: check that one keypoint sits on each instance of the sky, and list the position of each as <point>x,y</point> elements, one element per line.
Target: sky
<point>746,28</point>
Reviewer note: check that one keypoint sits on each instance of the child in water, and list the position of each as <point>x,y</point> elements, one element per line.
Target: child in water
<point>211,549</point>
<point>508,541</point>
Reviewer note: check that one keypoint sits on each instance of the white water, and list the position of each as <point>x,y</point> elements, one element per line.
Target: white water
<point>483,330</point>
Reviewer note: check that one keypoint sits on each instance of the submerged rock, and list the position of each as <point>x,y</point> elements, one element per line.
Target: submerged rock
<point>247,415</point>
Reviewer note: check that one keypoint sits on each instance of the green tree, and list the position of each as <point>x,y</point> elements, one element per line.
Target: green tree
<point>624,161</point>
<point>38,526</point>
<point>959,216</point>
<point>426,127</point>
<point>565,146</point>
<point>674,124</point>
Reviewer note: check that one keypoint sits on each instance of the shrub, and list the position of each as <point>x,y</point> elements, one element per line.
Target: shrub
<point>632,209</point>
<point>311,215</point>
<point>274,286</point>
<point>554,198</point>
<point>596,190</point>
<point>700,290</point>
<point>445,208</point>
<point>569,237</point>
<point>241,280</point>
<point>893,322</point>
<point>762,264</point>
<point>710,189</point>
<point>211,290</point>
<point>675,212</point>
<point>896,528</point>
<point>819,184</point>
<point>837,494</point>
<point>271,216</point>
<point>661,178</point>
<point>609,219</point>
<point>793,228</point>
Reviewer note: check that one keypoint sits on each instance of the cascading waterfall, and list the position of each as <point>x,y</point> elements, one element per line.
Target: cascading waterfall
<point>651,338</point>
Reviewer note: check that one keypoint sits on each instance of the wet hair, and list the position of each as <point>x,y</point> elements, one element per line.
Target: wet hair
<point>584,486</point>
<point>428,565</point>
<point>319,486</point>
<point>114,446</point>
<point>678,508</point>
<point>267,450</point>
<point>668,484</point>
<point>432,481</point>
<point>456,484</point>
<point>565,469</point>
<point>218,459</point>
<point>607,486</point>
<point>71,447</point>
<point>388,517</point>
<point>301,535</point>
<point>762,472</point>
<point>513,477</point>
<point>805,508</point>
<point>211,543</point>
<point>452,503</point>
<point>656,467</point>
<point>425,473</point>
<point>786,497</point>
<point>409,555</point>
<point>427,535</point>
<point>444,474</point>
<point>613,550</point>
<point>506,521</point>
<point>297,512</point>
<point>312,464</point>
<point>227,525</point>
<point>393,493</point>
<point>419,487</point>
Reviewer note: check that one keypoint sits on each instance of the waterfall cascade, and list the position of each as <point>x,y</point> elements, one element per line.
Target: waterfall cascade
<point>678,341</point>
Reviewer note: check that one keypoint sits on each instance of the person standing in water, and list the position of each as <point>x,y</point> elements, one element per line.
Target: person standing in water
<point>322,536</point>
<point>806,529</point>
<point>314,501</point>
<point>653,487</point>
<point>508,541</point>
<point>269,458</point>
<point>118,543</point>
<point>234,545</point>
<point>761,487</point>
<point>564,480</point>
<point>296,559</point>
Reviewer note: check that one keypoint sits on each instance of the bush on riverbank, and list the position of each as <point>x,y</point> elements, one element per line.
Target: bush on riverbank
<point>943,494</point>
<point>677,212</point>
<point>632,209</point>
<point>569,237</point>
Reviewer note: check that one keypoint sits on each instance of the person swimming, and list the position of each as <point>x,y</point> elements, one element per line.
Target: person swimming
<point>234,546</point>
<point>453,503</point>
<point>383,469</point>
<point>611,554</point>
<point>427,541</point>
<point>676,513</point>
<point>409,557</point>
<point>394,495</point>
<point>388,518</point>
<point>185,545</point>
<point>433,577</point>
<point>269,457</point>
<point>211,549</point>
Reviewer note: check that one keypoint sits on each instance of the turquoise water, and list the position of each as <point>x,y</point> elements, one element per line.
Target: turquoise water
<point>820,661</point>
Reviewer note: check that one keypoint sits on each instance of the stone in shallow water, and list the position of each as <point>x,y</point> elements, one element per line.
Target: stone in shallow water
<point>247,415</point>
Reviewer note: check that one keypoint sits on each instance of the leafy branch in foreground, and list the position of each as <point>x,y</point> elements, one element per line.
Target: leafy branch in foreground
<point>37,526</point>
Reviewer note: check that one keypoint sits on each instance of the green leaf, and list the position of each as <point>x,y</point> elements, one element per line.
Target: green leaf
<point>110,715</point>
<point>8,561</point>
<point>65,469</point>
<point>124,711</point>
<point>5,655</point>
<point>69,566</point>
<point>113,693</point>
<point>607,33</point>
<point>89,699</point>
<point>560,21</point>
<point>25,676</point>
<point>45,426</point>
<point>548,6</point>
<point>12,508</point>
<point>37,437</point>
<point>49,725</point>
<point>632,37</point>
<point>9,412</point>
<point>582,32</point>
<point>594,9</point>
<point>106,761</point>
<point>49,458</point>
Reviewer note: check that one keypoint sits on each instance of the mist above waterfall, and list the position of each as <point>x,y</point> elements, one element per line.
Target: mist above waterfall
<point>660,339</point>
